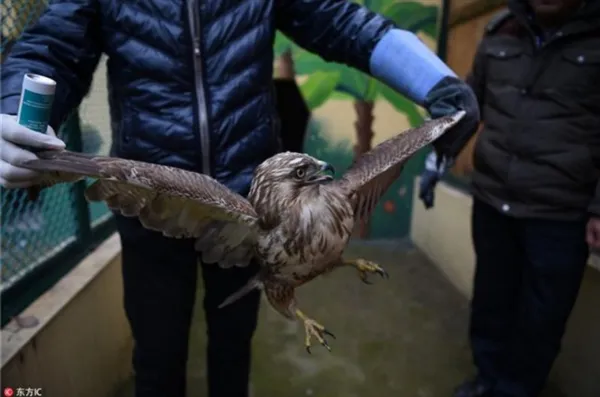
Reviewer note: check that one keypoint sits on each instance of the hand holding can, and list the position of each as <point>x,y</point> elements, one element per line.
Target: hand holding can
<point>21,135</point>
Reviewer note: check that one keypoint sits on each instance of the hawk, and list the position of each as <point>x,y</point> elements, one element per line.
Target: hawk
<point>296,221</point>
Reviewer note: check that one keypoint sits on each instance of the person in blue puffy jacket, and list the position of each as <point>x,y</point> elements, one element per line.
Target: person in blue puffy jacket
<point>190,86</point>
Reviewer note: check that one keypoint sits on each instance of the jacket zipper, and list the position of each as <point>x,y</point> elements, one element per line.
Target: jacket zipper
<point>194,21</point>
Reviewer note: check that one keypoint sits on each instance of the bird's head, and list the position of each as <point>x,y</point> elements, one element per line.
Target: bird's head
<point>294,169</point>
<point>285,176</point>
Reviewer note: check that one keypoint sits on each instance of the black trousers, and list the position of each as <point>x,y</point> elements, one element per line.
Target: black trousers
<point>159,276</point>
<point>528,274</point>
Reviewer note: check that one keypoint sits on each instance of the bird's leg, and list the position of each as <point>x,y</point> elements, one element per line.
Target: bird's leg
<point>281,297</point>
<point>365,268</point>
<point>313,328</point>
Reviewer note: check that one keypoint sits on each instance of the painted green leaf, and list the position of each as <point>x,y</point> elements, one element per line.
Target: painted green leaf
<point>354,83</point>
<point>306,62</point>
<point>430,29</point>
<point>282,44</point>
<point>373,87</point>
<point>412,16</point>
<point>341,96</point>
<point>319,87</point>
<point>402,104</point>
<point>376,5</point>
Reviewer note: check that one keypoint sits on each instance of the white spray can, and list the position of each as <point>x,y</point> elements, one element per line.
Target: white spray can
<point>35,106</point>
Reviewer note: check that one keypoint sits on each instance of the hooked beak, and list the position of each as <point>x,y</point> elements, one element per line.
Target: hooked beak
<point>322,173</point>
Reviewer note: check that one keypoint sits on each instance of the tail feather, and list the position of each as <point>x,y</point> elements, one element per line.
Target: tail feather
<point>65,162</point>
<point>253,283</point>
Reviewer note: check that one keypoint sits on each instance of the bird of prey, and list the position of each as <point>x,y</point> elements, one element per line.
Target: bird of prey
<point>296,220</point>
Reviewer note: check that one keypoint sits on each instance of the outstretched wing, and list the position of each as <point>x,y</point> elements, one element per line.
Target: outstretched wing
<point>373,173</point>
<point>176,202</point>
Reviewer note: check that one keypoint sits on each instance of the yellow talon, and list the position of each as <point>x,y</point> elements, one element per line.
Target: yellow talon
<point>313,328</point>
<point>365,268</point>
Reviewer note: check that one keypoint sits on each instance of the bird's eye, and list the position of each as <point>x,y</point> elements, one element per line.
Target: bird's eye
<point>300,173</point>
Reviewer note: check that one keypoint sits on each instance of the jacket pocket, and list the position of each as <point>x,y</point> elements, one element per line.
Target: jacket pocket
<point>502,60</point>
<point>582,168</point>
<point>566,165</point>
<point>580,69</point>
<point>593,163</point>
<point>582,57</point>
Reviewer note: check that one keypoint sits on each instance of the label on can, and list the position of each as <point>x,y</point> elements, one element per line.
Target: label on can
<point>35,106</point>
<point>35,110</point>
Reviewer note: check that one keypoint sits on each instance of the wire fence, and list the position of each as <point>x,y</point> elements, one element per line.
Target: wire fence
<point>16,16</point>
<point>41,240</point>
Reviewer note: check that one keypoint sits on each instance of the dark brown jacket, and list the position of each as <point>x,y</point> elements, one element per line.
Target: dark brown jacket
<point>538,154</point>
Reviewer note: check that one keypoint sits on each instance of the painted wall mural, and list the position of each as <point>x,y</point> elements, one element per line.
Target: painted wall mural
<point>352,112</point>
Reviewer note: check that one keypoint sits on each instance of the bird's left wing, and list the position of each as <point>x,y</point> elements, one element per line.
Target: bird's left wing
<point>373,172</point>
<point>176,202</point>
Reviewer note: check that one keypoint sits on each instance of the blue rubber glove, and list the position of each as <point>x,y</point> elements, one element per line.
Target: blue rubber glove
<point>434,170</point>
<point>402,61</point>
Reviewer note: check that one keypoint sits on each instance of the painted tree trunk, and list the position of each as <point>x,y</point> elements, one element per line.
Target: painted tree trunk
<point>364,137</point>
<point>285,66</point>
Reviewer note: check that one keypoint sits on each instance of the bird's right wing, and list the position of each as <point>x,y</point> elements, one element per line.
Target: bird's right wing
<point>176,202</point>
<point>373,173</point>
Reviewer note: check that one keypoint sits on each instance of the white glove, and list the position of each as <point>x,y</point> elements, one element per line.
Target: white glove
<point>13,135</point>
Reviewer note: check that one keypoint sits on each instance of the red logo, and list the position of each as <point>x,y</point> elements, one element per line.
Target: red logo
<point>8,392</point>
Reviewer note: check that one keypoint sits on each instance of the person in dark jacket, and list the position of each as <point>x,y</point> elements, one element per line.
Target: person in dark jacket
<point>190,86</point>
<point>535,187</point>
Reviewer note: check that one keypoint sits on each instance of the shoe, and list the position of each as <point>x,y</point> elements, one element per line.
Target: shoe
<point>473,388</point>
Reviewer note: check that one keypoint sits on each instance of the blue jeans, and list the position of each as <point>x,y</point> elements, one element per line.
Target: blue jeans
<point>528,274</point>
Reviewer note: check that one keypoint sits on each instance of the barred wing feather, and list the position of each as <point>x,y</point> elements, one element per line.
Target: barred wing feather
<point>176,202</point>
<point>374,172</point>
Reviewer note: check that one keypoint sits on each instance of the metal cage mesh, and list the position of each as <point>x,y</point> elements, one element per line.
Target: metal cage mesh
<point>34,230</point>
<point>31,233</point>
<point>16,16</point>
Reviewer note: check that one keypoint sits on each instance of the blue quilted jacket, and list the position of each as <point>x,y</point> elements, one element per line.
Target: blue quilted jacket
<point>190,81</point>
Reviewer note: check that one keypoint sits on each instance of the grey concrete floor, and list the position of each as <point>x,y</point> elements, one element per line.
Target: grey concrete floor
<point>402,337</point>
